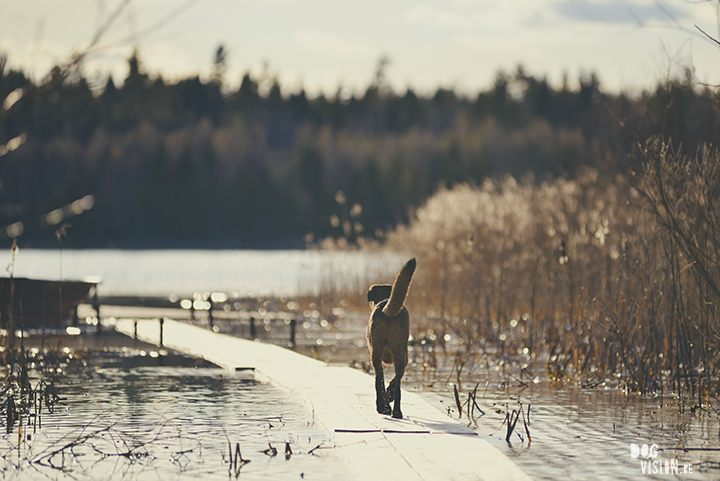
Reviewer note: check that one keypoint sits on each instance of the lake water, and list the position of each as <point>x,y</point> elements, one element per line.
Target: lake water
<point>184,272</point>
<point>171,423</point>
<point>576,432</point>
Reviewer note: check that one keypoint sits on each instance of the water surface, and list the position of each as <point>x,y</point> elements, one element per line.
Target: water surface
<point>183,272</point>
<point>150,423</point>
<point>576,432</point>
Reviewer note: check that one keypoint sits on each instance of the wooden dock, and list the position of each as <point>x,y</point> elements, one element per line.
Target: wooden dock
<point>426,445</point>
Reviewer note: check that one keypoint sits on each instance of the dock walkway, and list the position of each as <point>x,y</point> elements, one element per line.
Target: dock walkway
<point>426,445</point>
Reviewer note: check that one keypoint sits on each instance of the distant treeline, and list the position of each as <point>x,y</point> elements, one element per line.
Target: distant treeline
<point>189,162</point>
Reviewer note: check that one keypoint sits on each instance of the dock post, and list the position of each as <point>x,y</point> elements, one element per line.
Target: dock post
<point>96,307</point>
<point>162,321</point>
<point>253,333</point>
<point>293,322</point>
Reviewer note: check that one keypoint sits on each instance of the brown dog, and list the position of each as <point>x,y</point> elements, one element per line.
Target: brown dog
<point>387,335</point>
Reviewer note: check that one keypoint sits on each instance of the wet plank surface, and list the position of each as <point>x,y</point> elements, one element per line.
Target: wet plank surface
<point>426,445</point>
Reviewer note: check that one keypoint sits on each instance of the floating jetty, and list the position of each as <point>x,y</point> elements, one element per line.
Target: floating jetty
<point>426,445</point>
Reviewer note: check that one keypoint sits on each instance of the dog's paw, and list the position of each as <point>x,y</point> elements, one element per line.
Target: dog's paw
<point>397,414</point>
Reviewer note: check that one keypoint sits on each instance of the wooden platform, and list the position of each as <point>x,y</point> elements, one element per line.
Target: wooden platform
<point>426,445</point>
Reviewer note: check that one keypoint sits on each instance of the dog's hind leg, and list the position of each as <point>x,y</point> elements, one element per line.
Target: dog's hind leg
<point>394,387</point>
<point>381,397</point>
<point>391,389</point>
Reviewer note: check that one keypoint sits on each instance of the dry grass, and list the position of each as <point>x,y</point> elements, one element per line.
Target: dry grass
<point>603,275</point>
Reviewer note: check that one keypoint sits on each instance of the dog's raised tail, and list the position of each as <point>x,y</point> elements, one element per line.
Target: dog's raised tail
<point>400,289</point>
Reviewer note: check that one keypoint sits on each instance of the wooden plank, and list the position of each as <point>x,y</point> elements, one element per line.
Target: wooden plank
<point>426,445</point>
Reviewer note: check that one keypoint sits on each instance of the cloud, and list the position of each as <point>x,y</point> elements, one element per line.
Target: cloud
<point>617,11</point>
<point>430,16</point>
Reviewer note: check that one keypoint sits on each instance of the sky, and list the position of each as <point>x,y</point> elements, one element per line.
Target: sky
<point>324,45</point>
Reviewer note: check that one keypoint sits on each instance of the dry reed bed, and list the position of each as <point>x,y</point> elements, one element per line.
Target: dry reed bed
<point>607,274</point>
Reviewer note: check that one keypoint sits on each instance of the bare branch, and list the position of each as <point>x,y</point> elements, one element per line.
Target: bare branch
<point>708,35</point>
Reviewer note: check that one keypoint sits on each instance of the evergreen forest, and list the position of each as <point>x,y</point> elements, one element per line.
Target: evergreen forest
<point>194,163</point>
